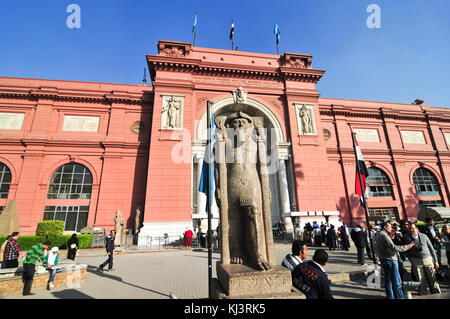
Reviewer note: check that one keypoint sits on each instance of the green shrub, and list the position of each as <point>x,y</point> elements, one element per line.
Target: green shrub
<point>28,241</point>
<point>2,239</point>
<point>50,228</point>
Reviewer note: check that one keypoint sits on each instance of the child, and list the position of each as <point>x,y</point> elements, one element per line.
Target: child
<point>51,260</point>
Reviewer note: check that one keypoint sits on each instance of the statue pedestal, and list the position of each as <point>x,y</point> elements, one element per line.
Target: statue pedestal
<point>243,282</point>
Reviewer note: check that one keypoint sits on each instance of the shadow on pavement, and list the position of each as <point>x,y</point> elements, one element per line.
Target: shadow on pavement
<point>215,258</point>
<point>71,294</point>
<point>346,291</point>
<point>94,270</point>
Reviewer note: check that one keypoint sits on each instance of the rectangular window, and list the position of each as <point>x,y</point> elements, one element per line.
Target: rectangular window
<point>384,213</point>
<point>75,217</point>
<point>431,203</point>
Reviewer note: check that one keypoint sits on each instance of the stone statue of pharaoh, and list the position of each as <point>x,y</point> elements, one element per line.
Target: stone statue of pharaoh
<point>243,194</point>
<point>118,225</point>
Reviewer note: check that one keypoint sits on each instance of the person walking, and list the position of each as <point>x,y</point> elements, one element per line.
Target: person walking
<point>424,261</point>
<point>109,245</point>
<point>359,237</point>
<point>310,277</point>
<point>331,238</point>
<point>2,250</point>
<point>72,247</point>
<point>387,253</point>
<point>51,262</point>
<point>12,252</point>
<point>188,238</point>
<point>343,234</point>
<point>435,237</point>
<point>29,265</point>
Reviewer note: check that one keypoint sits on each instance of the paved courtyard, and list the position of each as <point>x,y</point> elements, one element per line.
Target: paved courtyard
<point>184,274</point>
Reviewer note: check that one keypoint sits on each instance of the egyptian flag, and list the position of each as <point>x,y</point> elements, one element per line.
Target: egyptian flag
<point>232,30</point>
<point>361,170</point>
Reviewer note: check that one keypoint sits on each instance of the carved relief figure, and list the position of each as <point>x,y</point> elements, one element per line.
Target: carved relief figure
<point>138,220</point>
<point>243,192</point>
<point>306,120</point>
<point>240,96</point>
<point>173,113</point>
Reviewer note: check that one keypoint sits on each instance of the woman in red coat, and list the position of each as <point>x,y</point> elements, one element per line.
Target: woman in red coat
<point>188,238</point>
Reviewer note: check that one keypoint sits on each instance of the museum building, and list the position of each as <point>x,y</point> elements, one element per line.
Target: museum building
<point>81,151</point>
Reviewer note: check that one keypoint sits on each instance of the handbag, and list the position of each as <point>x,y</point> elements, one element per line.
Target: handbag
<point>73,246</point>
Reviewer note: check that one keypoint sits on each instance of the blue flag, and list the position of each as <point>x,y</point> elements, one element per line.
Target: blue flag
<point>194,26</point>
<point>208,164</point>
<point>277,32</point>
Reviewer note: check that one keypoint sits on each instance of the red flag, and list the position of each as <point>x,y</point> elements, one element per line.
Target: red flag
<point>361,170</point>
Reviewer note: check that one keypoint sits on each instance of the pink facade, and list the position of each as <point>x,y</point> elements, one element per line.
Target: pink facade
<point>121,135</point>
<point>34,149</point>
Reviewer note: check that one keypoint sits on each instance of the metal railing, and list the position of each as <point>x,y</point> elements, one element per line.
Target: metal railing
<point>281,237</point>
<point>156,242</point>
<point>99,240</point>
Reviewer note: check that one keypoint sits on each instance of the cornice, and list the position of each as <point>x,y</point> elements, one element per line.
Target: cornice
<point>177,57</point>
<point>76,96</point>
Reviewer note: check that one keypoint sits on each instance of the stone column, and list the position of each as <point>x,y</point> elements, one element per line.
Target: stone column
<point>284,196</point>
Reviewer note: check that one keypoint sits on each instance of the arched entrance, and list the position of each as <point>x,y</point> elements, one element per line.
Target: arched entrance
<point>278,153</point>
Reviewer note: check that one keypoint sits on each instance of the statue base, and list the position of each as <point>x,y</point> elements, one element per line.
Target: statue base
<point>242,282</point>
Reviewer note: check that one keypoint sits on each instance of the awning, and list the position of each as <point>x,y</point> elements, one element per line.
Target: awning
<point>436,213</point>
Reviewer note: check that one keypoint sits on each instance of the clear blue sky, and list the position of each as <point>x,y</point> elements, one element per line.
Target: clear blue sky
<point>407,58</point>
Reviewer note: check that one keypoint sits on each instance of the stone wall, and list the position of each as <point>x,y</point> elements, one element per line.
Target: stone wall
<point>13,285</point>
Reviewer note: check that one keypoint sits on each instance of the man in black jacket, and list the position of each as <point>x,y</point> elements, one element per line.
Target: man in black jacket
<point>310,277</point>
<point>359,237</point>
<point>110,251</point>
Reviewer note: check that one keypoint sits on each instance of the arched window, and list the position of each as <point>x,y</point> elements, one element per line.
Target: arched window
<point>425,183</point>
<point>379,183</point>
<point>69,182</point>
<point>5,180</point>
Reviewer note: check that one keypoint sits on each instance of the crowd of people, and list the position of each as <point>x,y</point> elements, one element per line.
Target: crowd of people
<point>327,235</point>
<point>10,252</point>
<point>388,244</point>
<point>421,245</point>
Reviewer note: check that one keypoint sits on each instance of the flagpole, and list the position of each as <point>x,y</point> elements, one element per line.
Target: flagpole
<point>210,198</point>
<point>195,28</point>
<point>363,197</point>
